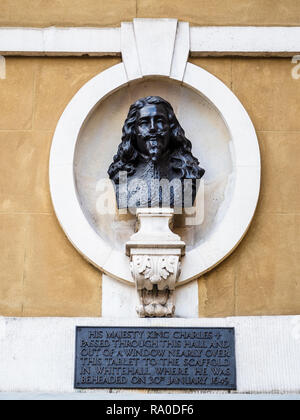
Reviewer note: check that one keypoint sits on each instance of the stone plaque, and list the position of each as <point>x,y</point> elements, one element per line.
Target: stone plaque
<point>144,357</point>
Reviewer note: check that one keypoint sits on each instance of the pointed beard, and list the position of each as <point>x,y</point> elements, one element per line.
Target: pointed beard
<point>155,150</point>
<point>154,154</point>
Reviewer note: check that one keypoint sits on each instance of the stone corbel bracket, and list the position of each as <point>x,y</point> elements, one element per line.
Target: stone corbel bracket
<point>153,47</point>
<point>155,260</point>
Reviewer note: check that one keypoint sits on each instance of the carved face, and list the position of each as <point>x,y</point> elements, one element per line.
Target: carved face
<point>152,130</point>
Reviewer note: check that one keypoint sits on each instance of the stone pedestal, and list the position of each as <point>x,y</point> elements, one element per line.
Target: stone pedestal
<point>155,259</point>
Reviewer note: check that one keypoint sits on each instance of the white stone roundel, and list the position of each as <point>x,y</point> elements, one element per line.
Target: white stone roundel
<point>244,186</point>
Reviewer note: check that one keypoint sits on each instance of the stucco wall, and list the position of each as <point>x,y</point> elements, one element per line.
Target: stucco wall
<point>112,12</point>
<point>41,274</point>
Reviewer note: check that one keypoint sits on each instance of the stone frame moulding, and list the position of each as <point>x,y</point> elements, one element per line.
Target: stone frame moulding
<point>156,48</point>
<point>259,41</point>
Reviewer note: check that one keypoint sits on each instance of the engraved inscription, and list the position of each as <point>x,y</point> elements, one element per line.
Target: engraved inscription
<point>142,357</point>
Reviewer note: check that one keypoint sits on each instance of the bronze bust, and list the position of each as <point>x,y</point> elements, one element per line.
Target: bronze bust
<point>154,165</point>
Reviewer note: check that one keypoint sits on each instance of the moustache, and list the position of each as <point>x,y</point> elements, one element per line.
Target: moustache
<point>158,135</point>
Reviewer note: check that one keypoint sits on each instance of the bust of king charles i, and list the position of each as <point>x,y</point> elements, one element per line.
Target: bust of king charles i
<point>154,165</point>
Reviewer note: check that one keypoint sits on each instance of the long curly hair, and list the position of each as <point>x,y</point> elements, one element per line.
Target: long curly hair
<point>182,161</point>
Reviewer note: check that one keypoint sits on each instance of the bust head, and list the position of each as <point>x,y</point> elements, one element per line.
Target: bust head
<point>154,147</point>
<point>152,131</point>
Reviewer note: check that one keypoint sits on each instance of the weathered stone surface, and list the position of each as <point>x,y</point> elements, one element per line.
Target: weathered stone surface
<point>16,94</point>
<point>57,280</point>
<point>219,67</point>
<point>268,91</point>
<point>13,232</point>
<point>261,277</point>
<point>24,184</point>
<point>226,12</point>
<point>57,81</point>
<point>267,266</point>
<point>217,291</point>
<point>66,12</point>
<point>281,172</point>
<point>41,274</point>
<point>111,13</point>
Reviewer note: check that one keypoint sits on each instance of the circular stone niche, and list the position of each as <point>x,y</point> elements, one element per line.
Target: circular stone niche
<point>211,143</point>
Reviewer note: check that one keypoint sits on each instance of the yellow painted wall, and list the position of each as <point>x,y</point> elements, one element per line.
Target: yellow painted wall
<point>41,274</point>
<point>263,276</point>
<point>112,12</point>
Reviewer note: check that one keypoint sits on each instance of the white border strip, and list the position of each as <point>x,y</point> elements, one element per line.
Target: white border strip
<point>245,40</point>
<point>102,396</point>
<point>211,40</point>
<point>60,41</point>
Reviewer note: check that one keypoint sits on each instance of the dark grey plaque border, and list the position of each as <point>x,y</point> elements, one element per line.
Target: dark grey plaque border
<point>231,387</point>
